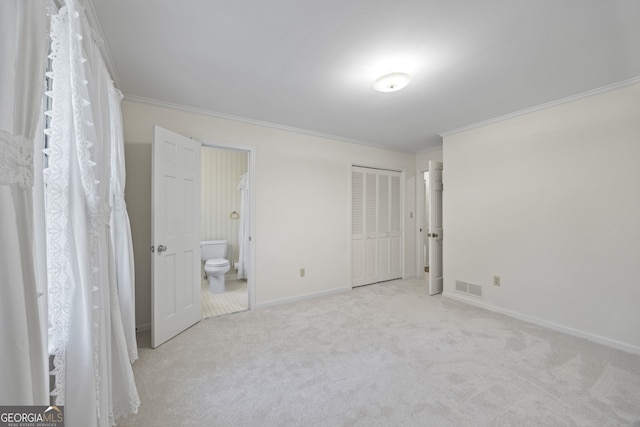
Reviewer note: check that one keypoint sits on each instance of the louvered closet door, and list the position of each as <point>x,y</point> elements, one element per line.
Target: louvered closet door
<point>357,228</point>
<point>395,229</point>
<point>371,228</point>
<point>376,226</point>
<point>383,235</point>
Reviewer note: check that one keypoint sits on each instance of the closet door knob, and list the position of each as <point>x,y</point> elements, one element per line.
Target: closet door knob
<point>161,248</point>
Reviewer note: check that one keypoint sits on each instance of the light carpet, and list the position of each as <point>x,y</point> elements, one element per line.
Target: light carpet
<point>382,355</point>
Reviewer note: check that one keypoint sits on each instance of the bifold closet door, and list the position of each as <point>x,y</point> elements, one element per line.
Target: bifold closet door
<point>357,228</point>
<point>376,226</point>
<point>371,259</point>
<point>395,228</point>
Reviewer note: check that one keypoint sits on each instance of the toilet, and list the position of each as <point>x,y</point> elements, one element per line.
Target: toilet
<point>213,253</point>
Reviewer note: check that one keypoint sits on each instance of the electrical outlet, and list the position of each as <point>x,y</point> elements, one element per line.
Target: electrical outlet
<point>302,272</point>
<point>496,280</point>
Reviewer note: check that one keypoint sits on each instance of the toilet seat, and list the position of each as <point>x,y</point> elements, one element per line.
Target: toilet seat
<point>217,263</point>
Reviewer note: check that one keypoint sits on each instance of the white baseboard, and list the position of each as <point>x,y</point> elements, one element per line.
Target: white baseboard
<point>546,324</point>
<point>301,297</point>
<point>143,328</point>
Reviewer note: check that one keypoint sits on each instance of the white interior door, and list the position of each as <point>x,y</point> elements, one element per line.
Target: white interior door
<point>425,221</point>
<point>175,235</point>
<point>435,228</point>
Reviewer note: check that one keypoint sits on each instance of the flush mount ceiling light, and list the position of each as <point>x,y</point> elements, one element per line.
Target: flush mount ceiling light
<point>391,82</point>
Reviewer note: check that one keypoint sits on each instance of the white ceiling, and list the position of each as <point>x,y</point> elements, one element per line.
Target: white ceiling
<point>310,64</point>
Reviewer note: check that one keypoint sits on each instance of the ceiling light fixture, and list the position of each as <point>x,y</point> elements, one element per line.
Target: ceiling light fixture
<point>391,82</point>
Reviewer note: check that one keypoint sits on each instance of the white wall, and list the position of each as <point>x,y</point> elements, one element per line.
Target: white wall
<point>302,186</point>
<point>550,201</point>
<point>423,158</point>
<point>219,197</point>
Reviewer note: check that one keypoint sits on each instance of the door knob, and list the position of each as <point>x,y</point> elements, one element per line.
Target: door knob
<point>435,234</point>
<point>161,248</point>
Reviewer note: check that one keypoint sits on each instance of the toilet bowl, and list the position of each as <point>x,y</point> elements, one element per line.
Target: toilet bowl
<point>213,253</point>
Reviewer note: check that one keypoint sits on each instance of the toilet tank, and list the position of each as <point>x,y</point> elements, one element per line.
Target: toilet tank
<point>213,249</point>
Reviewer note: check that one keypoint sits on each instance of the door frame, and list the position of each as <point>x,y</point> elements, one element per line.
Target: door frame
<point>403,236</point>
<point>251,161</point>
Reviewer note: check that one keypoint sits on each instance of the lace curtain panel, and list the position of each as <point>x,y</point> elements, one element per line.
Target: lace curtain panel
<point>82,269</point>
<point>23,47</point>
<point>92,370</point>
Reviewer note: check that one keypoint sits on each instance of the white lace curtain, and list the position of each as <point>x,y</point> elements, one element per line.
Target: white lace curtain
<point>93,375</point>
<point>23,47</point>
<point>89,266</point>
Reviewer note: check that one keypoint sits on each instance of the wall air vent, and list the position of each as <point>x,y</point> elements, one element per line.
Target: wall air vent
<point>462,286</point>
<point>475,290</point>
<point>469,288</point>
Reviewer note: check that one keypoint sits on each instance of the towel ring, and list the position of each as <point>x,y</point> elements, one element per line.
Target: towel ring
<point>234,215</point>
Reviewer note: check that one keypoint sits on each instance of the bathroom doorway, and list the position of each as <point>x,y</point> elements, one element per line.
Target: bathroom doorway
<point>225,211</point>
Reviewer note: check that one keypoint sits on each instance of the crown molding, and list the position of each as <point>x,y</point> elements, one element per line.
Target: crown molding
<point>540,107</point>
<point>215,114</point>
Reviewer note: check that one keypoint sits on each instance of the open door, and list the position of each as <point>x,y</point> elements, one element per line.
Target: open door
<point>175,235</point>
<point>435,230</point>
<point>424,223</point>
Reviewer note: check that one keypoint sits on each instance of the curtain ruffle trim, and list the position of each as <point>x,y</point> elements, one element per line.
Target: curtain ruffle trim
<point>57,206</point>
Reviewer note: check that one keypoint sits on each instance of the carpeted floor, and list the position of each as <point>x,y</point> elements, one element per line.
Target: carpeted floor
<point>382,355</point>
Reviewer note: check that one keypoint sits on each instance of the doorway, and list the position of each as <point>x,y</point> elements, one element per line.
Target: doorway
<point>175,233</point>
<point>224,207</point>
